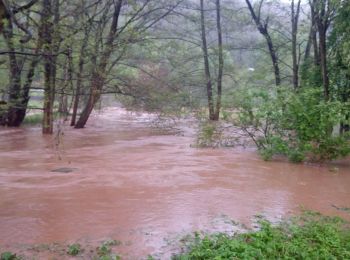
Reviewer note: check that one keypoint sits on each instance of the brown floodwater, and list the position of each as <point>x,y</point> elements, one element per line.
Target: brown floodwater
<point>132,183</point>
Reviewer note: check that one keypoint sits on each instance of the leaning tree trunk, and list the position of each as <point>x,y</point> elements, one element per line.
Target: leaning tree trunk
<point>262,27</point>
<point>98,77</point>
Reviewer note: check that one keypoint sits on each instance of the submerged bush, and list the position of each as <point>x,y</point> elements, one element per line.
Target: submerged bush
<point>310,236</point>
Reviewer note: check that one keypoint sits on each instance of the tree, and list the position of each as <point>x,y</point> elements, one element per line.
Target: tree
<point>214,112</point>
<point>98,76</point>
<point>18,93</point>
<point>295,54</point>
<point>323,12</point>
<point>339,42</point>
<point>263,26</point>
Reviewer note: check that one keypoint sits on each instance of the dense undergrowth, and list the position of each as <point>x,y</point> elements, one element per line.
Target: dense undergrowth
<point>310,236</point>
<point>301,126</point>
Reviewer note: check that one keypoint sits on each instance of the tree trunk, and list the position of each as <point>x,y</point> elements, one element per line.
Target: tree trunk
<point>11,119</point>
<point>79,77</point>
<point>295,20</point>
<point>221,61</point>
<point>98,76</point>
<point>47,126</point>
<point>314,34</point>
<point>262,27</point>
<point>323,58</point>
<point>308,46</point>
<point>206,65</point>
<point>322,21</point>
<point>3,14</point>
<point>68,85</point>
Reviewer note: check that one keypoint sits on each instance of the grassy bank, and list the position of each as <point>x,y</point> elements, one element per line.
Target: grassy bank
<point>310,236</point>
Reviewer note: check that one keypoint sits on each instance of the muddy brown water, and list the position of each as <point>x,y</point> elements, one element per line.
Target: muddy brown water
<point>130,183</point>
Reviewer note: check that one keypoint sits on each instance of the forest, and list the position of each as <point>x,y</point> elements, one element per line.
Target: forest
<point>250,80</point>
<point>278,70</point>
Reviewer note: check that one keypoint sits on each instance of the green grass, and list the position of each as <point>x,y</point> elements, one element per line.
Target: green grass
<point>74,249</point>
<point>311,236</point>
<point>9,256</point>
<point>33,119</point>
<point>36,119</point>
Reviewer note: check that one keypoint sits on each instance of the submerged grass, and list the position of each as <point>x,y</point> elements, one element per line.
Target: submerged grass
<point>33,119</point>
<point>310,236</point>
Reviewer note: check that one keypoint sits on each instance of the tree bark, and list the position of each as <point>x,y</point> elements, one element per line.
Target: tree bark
<point>79,77</point>
<point>98,76</point>
<point>206,65</point>
<point>221,61</point>
<point>295,20</point>
<point>49,73</point>
<point>10,119</point>
<point>263,29</point>
<point>322,22</point>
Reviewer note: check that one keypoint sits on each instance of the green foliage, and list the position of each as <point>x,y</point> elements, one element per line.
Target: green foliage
<point>207,134</point>
<point>74,249</point>
<point>112,242</point>
<point>340,35</point>
<point>109,257</point>
<point>9,256</point>
<point>310,236</point>
<point>104,252</point>
<point>33,119</point>
<point>297,125</point>
<point>212,134</point>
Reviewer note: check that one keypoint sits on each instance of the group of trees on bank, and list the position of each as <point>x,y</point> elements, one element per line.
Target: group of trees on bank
<point>278,69</point>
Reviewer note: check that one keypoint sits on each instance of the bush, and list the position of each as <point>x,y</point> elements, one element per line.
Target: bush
<point>297,125</point>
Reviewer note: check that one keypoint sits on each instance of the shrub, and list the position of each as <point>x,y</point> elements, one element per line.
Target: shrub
<point>74,249</point>
<point>9,256</point>
<point>310,236</point>
<point>298,125</point>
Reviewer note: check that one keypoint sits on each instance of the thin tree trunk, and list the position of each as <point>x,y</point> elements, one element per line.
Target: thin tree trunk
<point>68,81</point>
<point>79,77</point>
<point>308,46</point>
<point>295,20</point>
<point>262,27</point>
<point>323,57</point>
<point>314,33</point>
<point>206,65</point>
<point>322,21</point>
<point>221,61</point>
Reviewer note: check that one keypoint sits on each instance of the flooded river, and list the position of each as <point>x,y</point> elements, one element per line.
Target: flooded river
<point>130,183</point>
